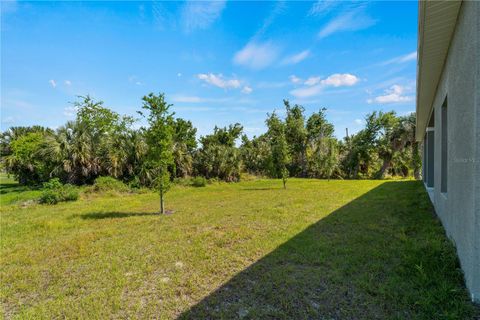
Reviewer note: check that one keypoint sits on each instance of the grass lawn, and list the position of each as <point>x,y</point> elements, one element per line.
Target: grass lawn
<point>11,192</point>
<point>318,250</point>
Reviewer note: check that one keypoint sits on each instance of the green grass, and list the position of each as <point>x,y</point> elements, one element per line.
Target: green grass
<point>11,192</point>
<point>318,250</point>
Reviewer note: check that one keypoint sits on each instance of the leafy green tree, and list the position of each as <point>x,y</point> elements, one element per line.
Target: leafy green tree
<point>390,139</point>
<point>296,137</point>
<point>98,119</point>
<point>360,149</point>
<point>255,154</point>
<point>280,157</point>
<point>13,133</point>
<point>396,144</point>
<point>318,126</point>
<point>108,132</point>
<point>159,138</point>
<point>322,149</point>
<point>218,156</point>
<point>89,146</point>
<point>25,160</point>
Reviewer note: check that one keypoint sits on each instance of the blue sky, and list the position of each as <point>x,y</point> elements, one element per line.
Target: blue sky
<point>217,62</point>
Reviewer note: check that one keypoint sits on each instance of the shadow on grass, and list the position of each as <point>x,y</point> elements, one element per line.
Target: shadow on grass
<point>15,188</point>
<point>381,256</point>
<point>261,189</point>
<point>115,214</point>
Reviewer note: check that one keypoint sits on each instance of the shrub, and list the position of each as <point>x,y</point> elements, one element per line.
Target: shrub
<point>54,192</point>
<point>199,182</point>
<point>109,184</point>
<point>49,196</point>
<point>52,184</point>
<point>70,193</point>
<point>185,182</point>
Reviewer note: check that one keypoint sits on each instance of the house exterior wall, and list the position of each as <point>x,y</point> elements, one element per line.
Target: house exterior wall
<point>459,207</point>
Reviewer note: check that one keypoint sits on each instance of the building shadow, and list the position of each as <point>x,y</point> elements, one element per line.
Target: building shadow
<point>349,265</point>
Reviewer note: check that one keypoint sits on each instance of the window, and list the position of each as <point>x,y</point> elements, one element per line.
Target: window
<point>444,159</point>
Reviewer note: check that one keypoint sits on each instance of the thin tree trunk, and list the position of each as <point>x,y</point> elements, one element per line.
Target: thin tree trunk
<point>162,211</point>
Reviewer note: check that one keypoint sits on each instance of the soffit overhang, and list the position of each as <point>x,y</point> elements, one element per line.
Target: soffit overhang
<point>436,24</point>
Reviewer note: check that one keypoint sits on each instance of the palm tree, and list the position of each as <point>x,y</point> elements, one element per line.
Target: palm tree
<point>72,151</point>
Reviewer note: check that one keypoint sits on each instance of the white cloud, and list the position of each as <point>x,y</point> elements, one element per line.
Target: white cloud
<point>219,81</point>
<point>53,83</point>
<point>200,15</point>
<point>395,94</point>
<point>315,85</point>
<point>68,83</point>
<point>401,59</point>
<point>312,81</point>
<point>179,74</point>
<point>340,80</point>
<point>296,58</point>
<point>70,111</point>
<point>294,79</point>
<point>358,121</point>
<point>247,90</point>
<point>349,21</point>
<point>256,55</point>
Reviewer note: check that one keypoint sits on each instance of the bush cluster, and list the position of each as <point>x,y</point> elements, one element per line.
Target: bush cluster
<point>199,182</point>
<point>54,192</point>
<point>103,184</point>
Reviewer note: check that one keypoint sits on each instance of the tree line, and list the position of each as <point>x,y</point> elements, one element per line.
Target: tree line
<point>101,142</point>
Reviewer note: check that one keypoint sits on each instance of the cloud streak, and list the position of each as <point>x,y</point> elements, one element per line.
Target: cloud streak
<point>256,55</point>
<point>322,7</point>
<point>401,59</point>
<point>349,21</point>
<point>296,58</point>
<point>200,15</point>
